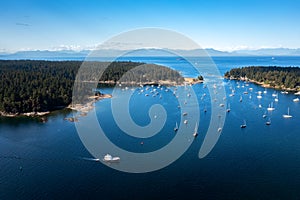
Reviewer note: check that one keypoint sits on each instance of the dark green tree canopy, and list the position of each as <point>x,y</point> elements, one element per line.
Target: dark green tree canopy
<point>280,77</point>
<point>36,86</point>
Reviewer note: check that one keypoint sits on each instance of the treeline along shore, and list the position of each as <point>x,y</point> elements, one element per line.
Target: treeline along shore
<point>31,87</point>
<point>283,78</point>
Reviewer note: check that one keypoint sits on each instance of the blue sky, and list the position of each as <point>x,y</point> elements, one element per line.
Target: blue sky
<point>223,25</point>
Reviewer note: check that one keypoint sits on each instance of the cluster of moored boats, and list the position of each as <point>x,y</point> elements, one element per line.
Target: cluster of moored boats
<point>157,91</point>
<point>259,96</point>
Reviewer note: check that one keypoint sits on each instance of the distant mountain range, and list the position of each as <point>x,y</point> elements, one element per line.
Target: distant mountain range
<point>69,54</point>
<point>270,52</point>
<point>45,54</point>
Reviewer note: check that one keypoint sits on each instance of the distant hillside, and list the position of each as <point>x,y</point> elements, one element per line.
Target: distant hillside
<point>80,55</point>
<point>44,55</point>
<point>287,78</point>
<point>110,53</point>
<point>270,52</point>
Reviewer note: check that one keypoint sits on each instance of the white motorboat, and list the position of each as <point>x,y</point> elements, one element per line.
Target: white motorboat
<point>296,100</point>
<point>109,158</point>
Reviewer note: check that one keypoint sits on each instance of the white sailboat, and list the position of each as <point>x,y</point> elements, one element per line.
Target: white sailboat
<point>264,115</point>
<point>288,114</point>
<point>228,108</point>
<point>276,98</point>
<point>196,130</point>
<point>268,122</point>
<point>176,127</point>
<point>271,108</point>
<point>244,125</point>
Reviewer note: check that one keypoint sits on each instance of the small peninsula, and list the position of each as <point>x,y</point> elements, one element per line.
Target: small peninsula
<point>35,87</point>
<point>282,78</point>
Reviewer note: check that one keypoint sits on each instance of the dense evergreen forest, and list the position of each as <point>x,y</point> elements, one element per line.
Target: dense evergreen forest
<point>277,77</point>
<point>37,86</point>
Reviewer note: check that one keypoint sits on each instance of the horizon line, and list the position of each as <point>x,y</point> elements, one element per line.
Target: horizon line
<point>4,51</point>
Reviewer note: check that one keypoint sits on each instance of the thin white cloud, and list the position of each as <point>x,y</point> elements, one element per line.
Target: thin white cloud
<point>64,47</point>
<point>22,24</point>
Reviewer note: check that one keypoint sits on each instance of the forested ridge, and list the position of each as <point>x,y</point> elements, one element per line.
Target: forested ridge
<point>277,77</point>
<point>38,86</point>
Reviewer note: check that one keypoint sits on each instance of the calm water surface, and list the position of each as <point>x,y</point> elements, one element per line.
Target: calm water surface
<point>48,160</point>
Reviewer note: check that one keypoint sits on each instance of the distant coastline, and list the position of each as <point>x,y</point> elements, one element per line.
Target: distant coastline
<point>263,84</point>
<point>81,55</point>
<point>279,78</point>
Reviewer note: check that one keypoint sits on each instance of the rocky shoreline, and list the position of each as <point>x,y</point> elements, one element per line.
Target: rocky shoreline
<point>193,81</point>
<point>83,109</point>
<point>161,82</point>
<point>28,114</point>
<point>276,87</point>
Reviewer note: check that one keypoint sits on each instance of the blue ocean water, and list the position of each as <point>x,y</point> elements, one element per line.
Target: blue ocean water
<point>49,161</point>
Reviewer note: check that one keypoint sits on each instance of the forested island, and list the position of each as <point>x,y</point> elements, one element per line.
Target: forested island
<point>29,86</point>
<point>285,78</point>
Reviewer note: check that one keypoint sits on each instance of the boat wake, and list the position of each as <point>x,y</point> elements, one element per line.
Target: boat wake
<point>91,159</point>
